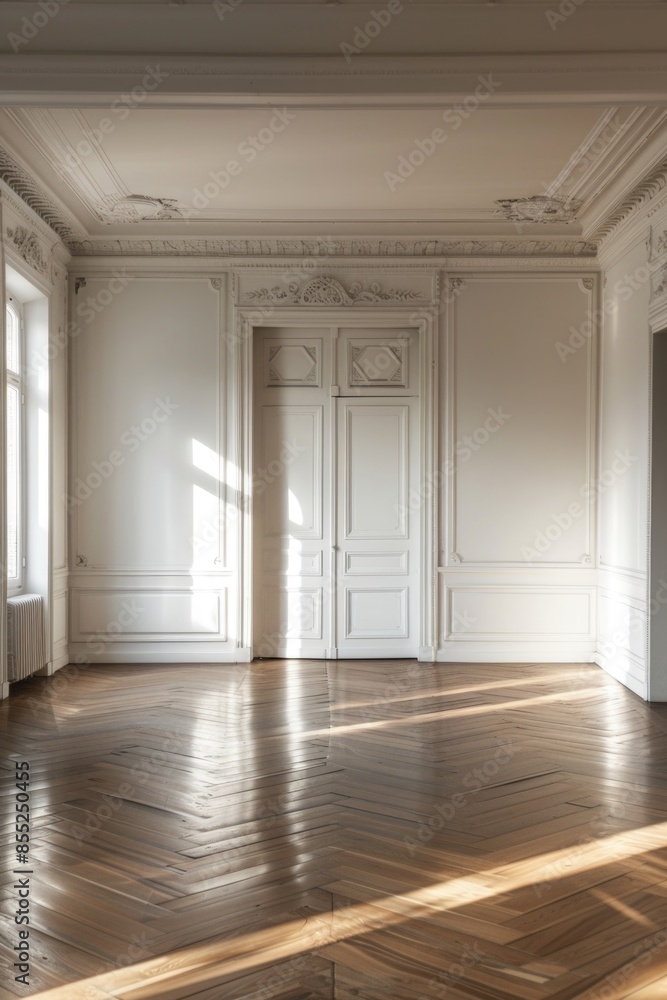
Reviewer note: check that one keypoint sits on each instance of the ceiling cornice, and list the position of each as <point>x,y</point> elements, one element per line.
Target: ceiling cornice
<point>633,203</point>
<point>23,184</point>
<point>327,247</point>
<point>80,244</point>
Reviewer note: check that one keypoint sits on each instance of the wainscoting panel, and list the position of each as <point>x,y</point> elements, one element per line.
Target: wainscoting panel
<point>149,614</point>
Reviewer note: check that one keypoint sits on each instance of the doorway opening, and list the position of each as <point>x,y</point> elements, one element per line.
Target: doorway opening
<point>336,499</point>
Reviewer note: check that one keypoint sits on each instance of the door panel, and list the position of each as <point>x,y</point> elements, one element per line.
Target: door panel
<point>374,457</point>
<point>291,456</point>
<point>336,563</point>
<point>375,553</point>
<point>291,489</point>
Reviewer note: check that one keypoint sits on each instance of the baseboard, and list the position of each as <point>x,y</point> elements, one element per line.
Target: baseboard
<point>60,661</point>
<point>516,652</point>
<point>355,653</point>
<point>427,654</point>
<point>156,652</point>
<point>53,666</point>
<point>4,690</point>
<point>626,671</point>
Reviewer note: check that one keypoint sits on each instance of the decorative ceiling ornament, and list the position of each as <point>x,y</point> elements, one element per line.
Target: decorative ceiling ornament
<point>656,244</point>
<point>325,291</point>
<point>659,283</point>
<point>538,208</point>
<point>28,247</point>
<point>137,208</point>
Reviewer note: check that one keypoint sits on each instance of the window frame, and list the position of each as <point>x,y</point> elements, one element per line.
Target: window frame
<point>16,380</point>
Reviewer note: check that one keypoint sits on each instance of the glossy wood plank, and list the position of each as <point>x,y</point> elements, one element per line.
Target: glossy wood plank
<point>366,829</point>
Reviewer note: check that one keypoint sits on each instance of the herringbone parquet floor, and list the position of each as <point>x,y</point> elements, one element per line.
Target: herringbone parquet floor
<point>372,830</point>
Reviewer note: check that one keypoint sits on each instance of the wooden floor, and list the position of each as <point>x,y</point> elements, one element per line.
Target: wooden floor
<point>372,830</point>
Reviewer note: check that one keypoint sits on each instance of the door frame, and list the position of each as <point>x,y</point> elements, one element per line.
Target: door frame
<point>245,321</point>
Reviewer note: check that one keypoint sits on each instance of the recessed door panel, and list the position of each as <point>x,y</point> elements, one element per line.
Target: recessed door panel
<point>379,612</point>
<point>377,545</point>
<point>375,474</point>
<point>291,471</point>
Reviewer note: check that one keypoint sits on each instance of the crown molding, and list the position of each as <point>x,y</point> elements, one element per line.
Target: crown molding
<point>326,247</point>
<point>17,178</point>
<point>625,145</point>
<point>35,196</point>
<point>632,205</point>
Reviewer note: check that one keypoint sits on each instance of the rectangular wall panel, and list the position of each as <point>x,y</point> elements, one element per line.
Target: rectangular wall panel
<point>518,613</point>
<point>151,614</point>
<point>519,443</point>
<point>146,477</point>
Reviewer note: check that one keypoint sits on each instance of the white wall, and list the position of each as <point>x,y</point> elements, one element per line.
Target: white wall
<point>148,470</point>
<point>624,430</point>
<point>518,540</point>
<point>137,506</point>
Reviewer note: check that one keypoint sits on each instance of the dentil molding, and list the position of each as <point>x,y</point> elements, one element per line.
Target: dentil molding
<point>421,248</point>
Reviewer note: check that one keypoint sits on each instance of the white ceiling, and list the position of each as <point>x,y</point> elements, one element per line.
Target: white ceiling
<point>337,167</point>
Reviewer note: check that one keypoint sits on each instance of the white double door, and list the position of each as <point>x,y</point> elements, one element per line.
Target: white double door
<point>335,493</point>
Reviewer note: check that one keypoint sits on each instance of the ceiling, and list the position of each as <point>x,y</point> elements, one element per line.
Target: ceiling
<point>547,116</point>
<point>230,171</point>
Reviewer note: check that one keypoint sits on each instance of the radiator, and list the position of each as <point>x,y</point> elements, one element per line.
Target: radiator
<point>25,636</point>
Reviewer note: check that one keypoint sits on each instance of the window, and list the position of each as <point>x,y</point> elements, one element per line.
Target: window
<point>14,449</point>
